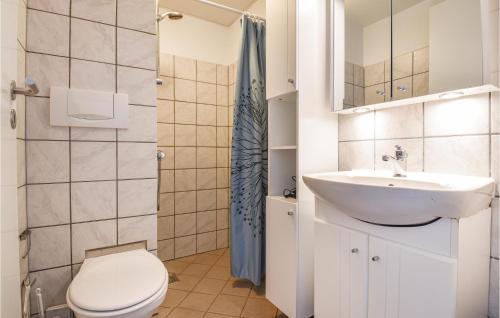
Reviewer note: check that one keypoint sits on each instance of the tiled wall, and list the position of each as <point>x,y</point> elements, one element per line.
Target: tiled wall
<point>86,187</point>
<point>195,112</point>
<point>460,136</point>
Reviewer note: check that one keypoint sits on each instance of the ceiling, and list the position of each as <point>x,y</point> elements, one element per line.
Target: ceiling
<point>366,12</point>
<point>207,12</point>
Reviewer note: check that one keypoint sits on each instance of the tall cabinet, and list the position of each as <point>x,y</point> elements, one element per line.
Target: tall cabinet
<point>302,139</point>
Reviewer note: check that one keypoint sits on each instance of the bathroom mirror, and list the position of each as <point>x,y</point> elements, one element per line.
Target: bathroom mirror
<point>396,50</point>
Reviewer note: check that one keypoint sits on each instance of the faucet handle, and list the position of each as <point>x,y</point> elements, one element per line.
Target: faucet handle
<point>400,152</point>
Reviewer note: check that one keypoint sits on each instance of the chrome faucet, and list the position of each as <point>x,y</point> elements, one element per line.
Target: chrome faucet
<point>400,156</point>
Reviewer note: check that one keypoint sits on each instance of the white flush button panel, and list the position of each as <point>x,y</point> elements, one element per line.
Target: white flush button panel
<point>87,108</point>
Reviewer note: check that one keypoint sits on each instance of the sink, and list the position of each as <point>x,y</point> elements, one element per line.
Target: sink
<point>420,198</point>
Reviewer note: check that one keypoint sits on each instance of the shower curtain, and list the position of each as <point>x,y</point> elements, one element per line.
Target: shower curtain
<point>249,157</point>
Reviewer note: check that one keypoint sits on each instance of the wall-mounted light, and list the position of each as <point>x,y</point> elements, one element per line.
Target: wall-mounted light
<point>451,95</point>
<point>361,110</point>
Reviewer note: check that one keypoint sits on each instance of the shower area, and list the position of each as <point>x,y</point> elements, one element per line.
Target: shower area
<point>199,47</point>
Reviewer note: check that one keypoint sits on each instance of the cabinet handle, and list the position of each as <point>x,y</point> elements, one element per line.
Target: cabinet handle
<point>354,250</point>
<point>381,93</point>
<point>290,212</point>
<point>375,258</point>
<point>291,81</point>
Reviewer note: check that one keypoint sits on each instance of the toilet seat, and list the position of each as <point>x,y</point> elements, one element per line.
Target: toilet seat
<point>118,285</point>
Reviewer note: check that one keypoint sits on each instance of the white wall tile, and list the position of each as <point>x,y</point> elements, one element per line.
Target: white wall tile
<point>356,155</point>
<point>142,125</point>
<point>93,41</point>
<point>495,227</point>
<point>48,204</point>
<point>467,115</point>
<point>467,155</point>
<point>136,229</point>
<point>493,311</point>
<point>47,33</point>
<point>95,10</point>
<point>91,201</point>
<point>47,71</point>
<point>93,75</point>
<point>136,160</point>
<point>495,112</point>
<point>140,85</point>
<point>93,134</point>
<point>50,247</point>
<point>91,161</point>
<point>137,197</point>
<point>357,126</point>
<point>399,122</point>
<point>90,235</point>
<point>136,49</point>
<point>414,148</point>
<point>495,160</point>
<point>47,161</point>
<point>38,121</point>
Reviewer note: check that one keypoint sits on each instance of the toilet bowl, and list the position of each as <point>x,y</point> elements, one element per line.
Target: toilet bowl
<point>129,284</point>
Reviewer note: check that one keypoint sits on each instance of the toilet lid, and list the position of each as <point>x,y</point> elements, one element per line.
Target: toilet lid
<point>117,281</point>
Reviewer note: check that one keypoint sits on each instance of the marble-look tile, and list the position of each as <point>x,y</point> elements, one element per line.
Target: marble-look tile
<point>495,228</point>
<point>222,74</point>
<point>466,155</point>
<point>140,85</point>
<point>493,307</point>
<point>222,239</point>
<point>206,242</point>
<point>165,228</point>
<point>206,72</point>
<point>185,135</point>
<point>166,89</point>
<point>348,94</point>
<point>402,88</point>
<point>222,157</point>
<point>222,198</point>
<point>138,228</point>
<point>185,113</point>
<point>93,41</point>
<point>374,74</point>
<point>47,33</point>
<point>356,155</point>
<point>92,161</point>
<point>185,246</point>
<point>356,126</point>
<point>48,204</point>
<point>47,161</point>
<point>165,134</point>
<point>166,64</point>
<point>165,111</point>
<point>207,136</point>
<point>136,49</point>
<point>167,204</point>
<point>93,134</point>
<point>222,95</point>
<point>206,221</point>
<point>206,157</point>
<point>348,73</point>
<point>141,125</point>
<point>21,22</point>
<point>22,220</point>
<point>50,247</point>
<point>48,71</point>
<point>359,75</point>
<point>185,157</point>
<point>185,202</point>
<point>185,180</point>
<point>185,68</point>
<point>414,148</point>
<point>58,279</point>
<point>466,115</point>
<point>21,162</point>
<point>222,137</point>
<point>137,197</point>
<point>359,96</point>
<point>421,84</point>
<point>495,160</point>
<point>136,160</point>
<point>93,75</point>
<point>91,235</point>
<point>206,115</point>
<point>206,200</point>
<point>403,66</point>
<point>137,15</point>
<point>38,121</point>
<point>185,90</point>
<point>222,219</point>
<point>95,10</point>
<point>206,179</point>
<point>185,224</point>
<point>205,93</point>
<point>375,94</point>
<point>165,252</point>
<point>421,60</point>
<point>399,122</point>
<point>53,6</point>
<point>495,112</point>
<point>92,201</point>
<point>21,117</point>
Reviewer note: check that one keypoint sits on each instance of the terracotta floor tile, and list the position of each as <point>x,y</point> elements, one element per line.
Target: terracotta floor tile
<point>197,301</point>
<point>225,260</point>
<point>259,308</point>
<point>210,286</point>
<point>219,272</point>
<point>162,312</point>
<point>198,270</point>
<point>187,259</point>
<point>185,282</point>
<point>218,252</point>
<point>212,315</point>
<point>258,291</point>
<point>206,259</point>
<point>185,313</point>
<point>174,297</point>
<point>237,288</point>
<point>228,305</point>
<point>175,266</point>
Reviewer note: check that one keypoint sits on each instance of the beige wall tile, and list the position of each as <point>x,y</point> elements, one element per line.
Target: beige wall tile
<point>231,93</point>
<point>185,68</point>
<point>185,135</point>
<point>357,126</point>
<point>185,202</point>
<point>185,224</point>
<point>185,246</point>
<point>356,155</point>
<point>47,204</point>
<point>167,205</point>
<point>402,88</point>
<point>185,113</point>
<point>93,75</point>
<point>165,134</point>
<point>50,247</point>
<point>222,177</point>
<point>373,94</point>
<point>359,96</point>
<point>91,235</point>
<point>95,10</point>
<point>166,90</point>
<point>136,160</point>
<point>165,228</point>
<point>359,75</point>
<point>138,84</point>
<point>222,198</point>
<point>93,41</point>
<point>207,136</point>
<point>47,161</point>
<point>137,229</point>
<point>185,180</point>
<point>206,221</point>
<point>167,181</point>
<point>166,64</point>
<point>206,72</point>
<point>185,157</point>
<point>137,15</point>
<point>206,179</point>
<point>206,115</point>
<point>38,121</point>
<point>403,66</point>
<point>421,61</point>
<point>165,111</point>
<point>222,219</point>
<point>165,252</point>
<point>206,200</point>
<point>348,94</point>
<point>185,90</point>
<point>48,71</point>
<point>222,74</point>
<point>206,242</point>
<point>374,74</point>
<point>206,93</point>
<point>222,157</point>
<point>206,157</point>
<point>399,122</point>
<point>222,95</point>
<point>93,161</point>
<point>47,33</point>
<point>348,73</point>
<point>222,239</point>
<point>222,137</point>
<point>421,84</point>
<point>136,49</point>
<point>92,201</point>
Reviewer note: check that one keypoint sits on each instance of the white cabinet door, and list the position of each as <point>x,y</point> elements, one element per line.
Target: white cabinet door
<point>280,47</point>
<point>281,254</point>
<point>407,283</point>
<point>341,272</point>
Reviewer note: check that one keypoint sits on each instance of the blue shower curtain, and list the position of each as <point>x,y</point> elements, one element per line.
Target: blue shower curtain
<point>249,157</point>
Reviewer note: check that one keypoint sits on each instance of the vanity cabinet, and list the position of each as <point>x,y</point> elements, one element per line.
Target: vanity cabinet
<point>280,47</point>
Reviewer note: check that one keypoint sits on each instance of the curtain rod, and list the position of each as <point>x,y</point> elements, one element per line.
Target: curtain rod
<point>227,8</point>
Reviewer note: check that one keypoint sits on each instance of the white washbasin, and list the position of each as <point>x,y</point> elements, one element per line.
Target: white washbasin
<point>419,198</point>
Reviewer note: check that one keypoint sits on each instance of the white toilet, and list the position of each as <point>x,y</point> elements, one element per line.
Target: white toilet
<point>129,284</point>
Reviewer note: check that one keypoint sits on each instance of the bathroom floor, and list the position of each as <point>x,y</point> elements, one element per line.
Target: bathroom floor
<point>205,288</point>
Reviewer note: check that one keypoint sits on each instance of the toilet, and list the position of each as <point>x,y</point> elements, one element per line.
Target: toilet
<point>129,284</point>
